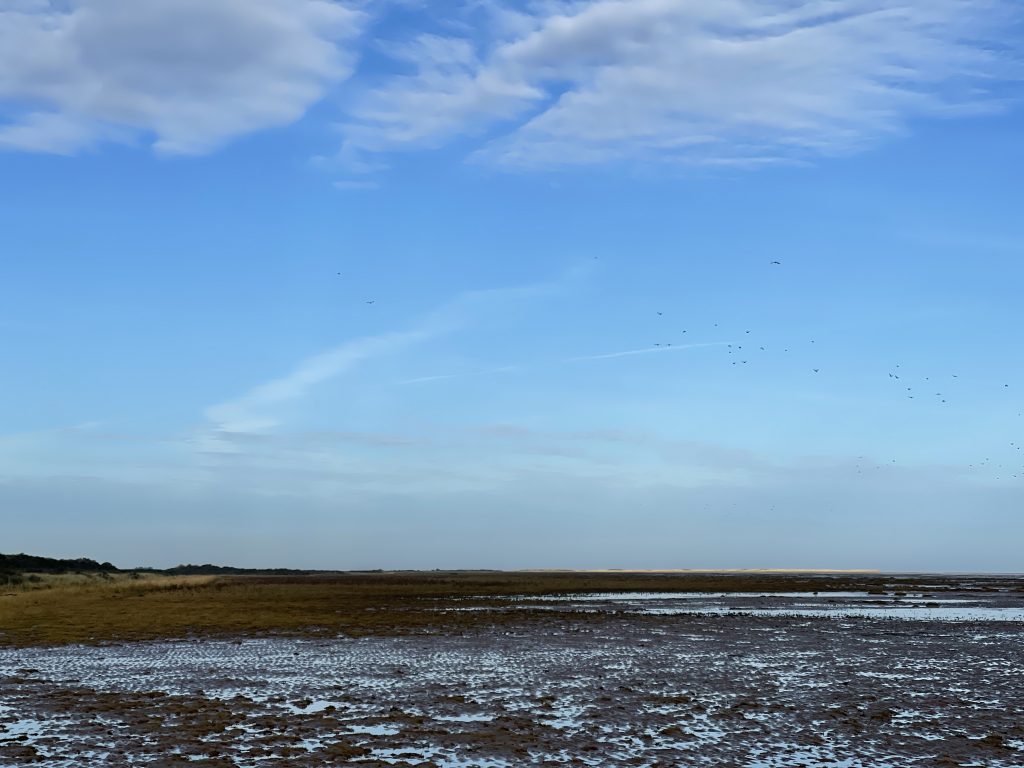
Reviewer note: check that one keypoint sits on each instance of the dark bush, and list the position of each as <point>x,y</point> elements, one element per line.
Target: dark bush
<point>10,579</point>
<point>25,563</point>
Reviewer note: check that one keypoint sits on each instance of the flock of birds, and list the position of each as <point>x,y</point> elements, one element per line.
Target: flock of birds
<point>912,388</point>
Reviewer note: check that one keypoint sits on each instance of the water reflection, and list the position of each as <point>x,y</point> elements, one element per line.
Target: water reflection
<point>961,606</point>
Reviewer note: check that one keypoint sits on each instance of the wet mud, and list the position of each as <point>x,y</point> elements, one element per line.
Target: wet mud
<point>625,687</point>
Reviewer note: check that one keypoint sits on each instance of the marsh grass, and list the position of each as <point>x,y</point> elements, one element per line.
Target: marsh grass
<point>20,582</point>
<point>92,609</point>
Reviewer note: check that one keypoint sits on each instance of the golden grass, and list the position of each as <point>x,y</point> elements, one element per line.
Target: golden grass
<point>150,606</point>
<point>37,581</point>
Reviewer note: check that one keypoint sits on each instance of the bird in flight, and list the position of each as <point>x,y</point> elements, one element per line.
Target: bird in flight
<point>777,263</point>
<point>372,301</point>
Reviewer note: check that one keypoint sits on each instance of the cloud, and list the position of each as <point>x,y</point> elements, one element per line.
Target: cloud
<point>724,84</point>
<point>187,74</point>
<point>257,410</point>
<point>646,351</point>
<point>732,82</point>
<point>545,364</point>
<point>643,456</point>
<point>533,519</point>
<point>252,412</point>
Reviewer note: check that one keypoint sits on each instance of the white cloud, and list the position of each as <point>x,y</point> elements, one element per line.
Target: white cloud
<point>189,74</point>
<point>721,83</point>
<point>724,82</point>
<point>646,351</point>
<point>252,412</point>
<point>257,411</point>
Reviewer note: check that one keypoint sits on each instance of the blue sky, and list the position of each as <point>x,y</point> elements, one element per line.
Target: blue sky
<point>563,213</point>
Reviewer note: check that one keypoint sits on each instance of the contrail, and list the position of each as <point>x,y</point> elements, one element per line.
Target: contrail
<point>442,377</point>
<point>646,351</point>
<point>607,356</point>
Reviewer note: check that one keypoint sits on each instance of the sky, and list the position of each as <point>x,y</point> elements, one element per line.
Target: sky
<point>580,284</point>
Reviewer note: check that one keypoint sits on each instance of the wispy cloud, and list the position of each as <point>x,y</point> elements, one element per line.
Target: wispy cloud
<point>14,438</point>
<point>259,409</point>
<point>563,361</point>
<point>252,412</point>
<point>675,453</point>
<point>741,82</point>
<point>647,351</point>
<point>727,83</point>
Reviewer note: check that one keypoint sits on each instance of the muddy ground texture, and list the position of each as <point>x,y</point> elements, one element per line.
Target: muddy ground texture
<point>600,685</point>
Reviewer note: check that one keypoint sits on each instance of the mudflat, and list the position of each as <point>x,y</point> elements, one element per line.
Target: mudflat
<point>853,670</point>
<point>151,607</point>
